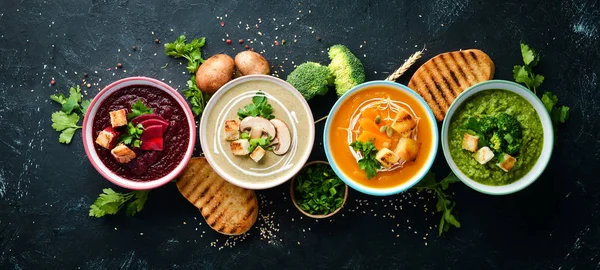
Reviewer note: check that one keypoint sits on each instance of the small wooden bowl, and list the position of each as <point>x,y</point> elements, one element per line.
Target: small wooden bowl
<point>304,212</point>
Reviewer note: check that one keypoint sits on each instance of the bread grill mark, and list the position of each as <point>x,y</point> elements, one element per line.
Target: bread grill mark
<point>441,79</point>
<point>228,209</point>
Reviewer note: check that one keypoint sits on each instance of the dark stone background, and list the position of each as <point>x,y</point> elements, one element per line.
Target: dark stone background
<point>46,187</point>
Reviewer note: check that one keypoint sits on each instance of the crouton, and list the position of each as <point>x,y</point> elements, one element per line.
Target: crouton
<point>118,118</point>
<point>232,130</point>
<point>506,162</point>
<point>403,123</point>
<point>107,138</point>
<point>407,149</point>
<point>122,153</point>
<point>386,157</point>
<point>240,147</point>
<point>258,154</point>
<point>483,155</point>
<point>470,142</point>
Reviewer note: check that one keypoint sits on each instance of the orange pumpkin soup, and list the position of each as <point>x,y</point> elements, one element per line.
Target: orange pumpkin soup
<point>364,117</point>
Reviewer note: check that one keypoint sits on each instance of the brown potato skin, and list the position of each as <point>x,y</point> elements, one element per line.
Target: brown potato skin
<point>249,62</point>
<point>214,73</point>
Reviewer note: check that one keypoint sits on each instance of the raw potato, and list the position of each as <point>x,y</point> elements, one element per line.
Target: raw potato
<point>249,62</point>
<point>214,73</point>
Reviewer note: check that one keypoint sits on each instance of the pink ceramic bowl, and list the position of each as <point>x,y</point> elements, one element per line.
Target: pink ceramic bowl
<point>89,139</point>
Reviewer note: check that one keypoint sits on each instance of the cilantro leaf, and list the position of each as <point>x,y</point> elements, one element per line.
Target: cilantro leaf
<point>530,58</point>
<point>72,102</point>
<point>258,107</point>
<point>444,203</point>
<point>137,109</point>
<point>65,120</point>
<point>66,135</point>
<point>190,51</point>
<point>367,163</point>
<point>59,98</point>
<point>62,121</point>
<point>564,114</point>
<point>109,202</point>
<point>196,97</point>
<point>135,206</point>
<point>85,104</point>
<point>549,101</point>
<point>451,178</point>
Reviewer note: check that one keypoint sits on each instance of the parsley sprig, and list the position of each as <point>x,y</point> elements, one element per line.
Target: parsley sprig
<point>190,51</point>
<point>318,190</point>
<point>110,202</point>
<point>444,204</point>
<point>368,163</point>
<point>137,109</point>
<point>524,74</point>
<point>133,135</point>
<point>258,107</point>
<point>196,97</point>
<point>65,121</point>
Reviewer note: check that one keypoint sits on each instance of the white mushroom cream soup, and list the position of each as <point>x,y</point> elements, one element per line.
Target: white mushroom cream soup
<point>254,132</point>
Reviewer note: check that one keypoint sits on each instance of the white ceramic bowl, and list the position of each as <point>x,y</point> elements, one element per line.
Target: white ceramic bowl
<point>88,137</point>
<point>224,104</point>
<point>548,144</point>
<point>430,155</point>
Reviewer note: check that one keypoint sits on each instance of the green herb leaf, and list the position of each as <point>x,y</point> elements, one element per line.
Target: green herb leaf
<point>563,114</point>
<point>85,104</point>
<point>110,202</point>
<point>196,98</point>
<point>368,163</point>
<point>549,101</point>
<point>451,178</point>
<point>62,120</point>
<point>66,124</point>
<point>530,57</point>
<point>59,98</point>
<point>137,109</point>
<point>72,102</point>
<point>67,135</point>
<point>258,107</point>
<point>190,51</point>
<point>444,202</point>
<point>135,206</point>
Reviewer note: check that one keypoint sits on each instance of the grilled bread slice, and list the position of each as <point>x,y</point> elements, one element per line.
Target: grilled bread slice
<point>441,79</point>
<point>228,209</point>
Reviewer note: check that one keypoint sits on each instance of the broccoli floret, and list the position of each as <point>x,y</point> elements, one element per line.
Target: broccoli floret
<point>346,68</point>
<point>487,124</point>
<point>496,143</point>
<point>508,124</point>
<point>514,145</point>
<point>311,79</point>
<point>510,127</point>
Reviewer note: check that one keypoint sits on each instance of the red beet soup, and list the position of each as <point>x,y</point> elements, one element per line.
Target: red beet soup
<point>147,165</point>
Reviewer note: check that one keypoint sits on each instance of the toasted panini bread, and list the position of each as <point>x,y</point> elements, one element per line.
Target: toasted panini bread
<point>441,79</point>
<point>228,209</point>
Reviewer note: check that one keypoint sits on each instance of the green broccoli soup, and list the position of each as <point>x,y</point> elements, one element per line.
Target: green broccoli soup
<point>495,137</point>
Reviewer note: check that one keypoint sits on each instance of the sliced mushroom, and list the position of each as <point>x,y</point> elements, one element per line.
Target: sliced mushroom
<point>257,126</point>
<point>283,137</point>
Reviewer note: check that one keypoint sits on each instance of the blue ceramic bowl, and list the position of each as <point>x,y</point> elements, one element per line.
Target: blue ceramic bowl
<point>430,155</point>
